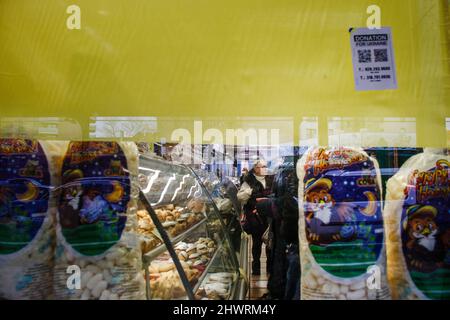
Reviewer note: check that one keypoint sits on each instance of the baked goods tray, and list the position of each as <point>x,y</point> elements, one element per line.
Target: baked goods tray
<point>230,281</point>
<point>149,256</point>
<point>205,272</point>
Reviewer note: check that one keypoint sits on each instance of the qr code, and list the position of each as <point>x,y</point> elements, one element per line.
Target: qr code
<point>364,56</point>
<point>381,55</point>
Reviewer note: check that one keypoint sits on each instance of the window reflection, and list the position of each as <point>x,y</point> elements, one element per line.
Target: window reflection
<point>372,132</point>
<point>122,127</point>
<point>309,131</point>
<point>46,128</point>
<point>447,125</point>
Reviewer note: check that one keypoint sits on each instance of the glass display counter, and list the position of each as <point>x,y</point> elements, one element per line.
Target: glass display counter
<point>186,248</point>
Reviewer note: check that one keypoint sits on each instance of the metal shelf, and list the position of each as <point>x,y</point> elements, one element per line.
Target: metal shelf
<point>243,261</point>
<point>234,287</point>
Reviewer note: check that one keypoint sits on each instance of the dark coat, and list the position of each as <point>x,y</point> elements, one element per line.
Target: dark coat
<point>284,228</point>
<point>257,223</point>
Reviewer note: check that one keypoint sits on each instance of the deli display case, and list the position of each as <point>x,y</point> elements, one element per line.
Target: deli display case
<point>187,252</point>
<point>224,196</point>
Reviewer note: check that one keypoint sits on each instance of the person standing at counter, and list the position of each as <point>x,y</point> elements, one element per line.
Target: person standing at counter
<point>281,211</point>
<point>256,187</point>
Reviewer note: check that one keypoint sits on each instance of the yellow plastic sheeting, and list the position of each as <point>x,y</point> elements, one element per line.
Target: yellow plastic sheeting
<point>231,58</point>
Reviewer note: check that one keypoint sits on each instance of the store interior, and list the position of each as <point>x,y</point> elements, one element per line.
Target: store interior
<point>221,150</point>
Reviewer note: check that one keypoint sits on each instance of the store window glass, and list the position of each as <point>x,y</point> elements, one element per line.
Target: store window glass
<point>160,147</point>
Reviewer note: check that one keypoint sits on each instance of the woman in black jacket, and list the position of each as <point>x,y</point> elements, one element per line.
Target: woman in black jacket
<point>256,187</point>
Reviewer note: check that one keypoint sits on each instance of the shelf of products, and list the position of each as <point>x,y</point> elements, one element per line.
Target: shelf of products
<point>187,253</point>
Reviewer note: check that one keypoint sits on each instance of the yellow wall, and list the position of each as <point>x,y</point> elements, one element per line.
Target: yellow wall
<point>211,58</point>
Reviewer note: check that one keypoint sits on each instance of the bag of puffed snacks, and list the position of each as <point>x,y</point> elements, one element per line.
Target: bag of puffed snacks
<point>417,218</point>
<point>28,173</point>
<point>341,232</point>
<point>97,241</point>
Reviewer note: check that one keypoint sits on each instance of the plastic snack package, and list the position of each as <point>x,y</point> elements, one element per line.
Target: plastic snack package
<point>98,255</point>
<point>28,173</point>
<point>341,226</point>
<point>417,223</point>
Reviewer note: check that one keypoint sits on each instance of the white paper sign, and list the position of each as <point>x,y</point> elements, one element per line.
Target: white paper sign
<point>373,59</point>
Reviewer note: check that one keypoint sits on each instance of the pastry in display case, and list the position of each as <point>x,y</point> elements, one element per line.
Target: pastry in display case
<point>186,249</point>
<point>218,283</point>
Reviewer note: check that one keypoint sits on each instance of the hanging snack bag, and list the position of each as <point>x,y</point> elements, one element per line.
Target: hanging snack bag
<point>341,225</point>
<point>28,170</point>
<point>98,255</point>
<point>417,218</point>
